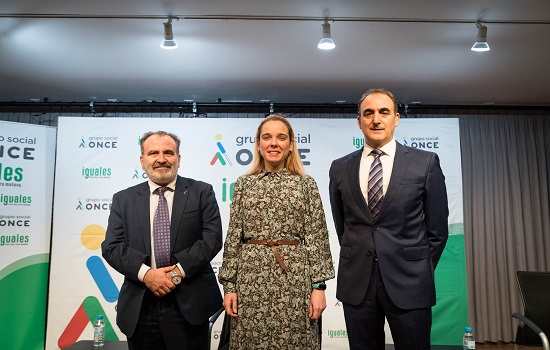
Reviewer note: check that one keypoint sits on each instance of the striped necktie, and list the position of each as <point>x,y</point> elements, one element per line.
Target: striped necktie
<point>375,184</point>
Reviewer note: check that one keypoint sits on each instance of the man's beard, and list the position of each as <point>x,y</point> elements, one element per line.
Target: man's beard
<point>163,177</point>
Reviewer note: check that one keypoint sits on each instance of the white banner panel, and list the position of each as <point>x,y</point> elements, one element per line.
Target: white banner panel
<point>99,156</point>
<point>27,157</point>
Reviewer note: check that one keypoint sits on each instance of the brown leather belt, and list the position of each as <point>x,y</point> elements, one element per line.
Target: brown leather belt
<point>274,245</point>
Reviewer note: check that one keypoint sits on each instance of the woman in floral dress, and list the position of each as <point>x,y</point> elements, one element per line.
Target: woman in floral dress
<point>276,254</point>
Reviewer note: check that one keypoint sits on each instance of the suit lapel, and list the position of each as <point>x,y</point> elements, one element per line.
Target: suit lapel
<point>143,214</point>
<point>178,206</point>
<point>355,186</point>
<point>398,172</point>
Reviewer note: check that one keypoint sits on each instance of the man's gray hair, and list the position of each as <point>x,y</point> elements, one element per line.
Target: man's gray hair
<point>159,133</point>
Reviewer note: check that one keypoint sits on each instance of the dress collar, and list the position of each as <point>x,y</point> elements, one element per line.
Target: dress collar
<point>153,186</point>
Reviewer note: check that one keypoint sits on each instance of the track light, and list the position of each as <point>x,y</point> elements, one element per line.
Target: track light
<point>168,43</point>
<point>481,44</point>
<point>326,42</point>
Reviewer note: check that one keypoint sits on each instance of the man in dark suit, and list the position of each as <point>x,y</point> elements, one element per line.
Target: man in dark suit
<point>389,206</point>
<point>161,236</point>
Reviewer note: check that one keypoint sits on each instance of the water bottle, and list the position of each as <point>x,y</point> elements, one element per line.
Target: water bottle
<point>468,341</point>
<point>99,332</point>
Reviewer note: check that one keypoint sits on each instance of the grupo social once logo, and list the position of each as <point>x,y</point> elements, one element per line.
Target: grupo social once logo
<point>93,204</point>
<point>17,152</point>
<point>243,149</point>
<point>422,142</point>
<point>98,142</point>
<point>17,223</point>
<point>91,238</point>
<point>139,174</point>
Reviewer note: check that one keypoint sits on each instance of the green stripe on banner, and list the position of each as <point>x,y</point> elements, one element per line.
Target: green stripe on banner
<point>23,288</point>
<point>456,229</point>
<point>92,307</point>
<point>26,261</point>
<point>450,314</point>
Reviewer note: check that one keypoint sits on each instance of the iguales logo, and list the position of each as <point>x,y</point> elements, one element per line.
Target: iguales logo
<point>15,199</point>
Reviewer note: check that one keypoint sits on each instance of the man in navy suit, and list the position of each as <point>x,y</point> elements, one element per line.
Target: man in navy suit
<point>161,236</point>
<point>389,206</point>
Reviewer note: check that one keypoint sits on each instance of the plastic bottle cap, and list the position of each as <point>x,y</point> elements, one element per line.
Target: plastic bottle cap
<point>467,329</point>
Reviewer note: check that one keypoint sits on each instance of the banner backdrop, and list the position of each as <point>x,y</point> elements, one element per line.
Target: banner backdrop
<point>27,157</point>
<point>97,157</point>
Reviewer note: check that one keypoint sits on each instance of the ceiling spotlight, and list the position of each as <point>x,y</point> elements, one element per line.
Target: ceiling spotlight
<point>481,44</point>
<point>326,42</point>
<point>168,43</point>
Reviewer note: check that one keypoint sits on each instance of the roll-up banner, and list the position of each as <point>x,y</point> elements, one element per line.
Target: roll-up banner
<point>27,157</point>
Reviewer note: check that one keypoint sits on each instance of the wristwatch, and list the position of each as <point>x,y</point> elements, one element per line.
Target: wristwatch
<point>319,286</point>
<point>176,278</point>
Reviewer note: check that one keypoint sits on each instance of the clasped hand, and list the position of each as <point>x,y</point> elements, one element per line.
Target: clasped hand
<point>159,281</point>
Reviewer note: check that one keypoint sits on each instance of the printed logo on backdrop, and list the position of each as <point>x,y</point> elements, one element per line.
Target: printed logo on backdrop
<point>337,333</point>
<point>139,174</point>
<point>14,149</point>
<point>7,200</point>
<point>421,142</point>
<point>18,149</point>
<point>242,148</point>
<point>216,265</point>
<point>91,237</point>
<point>10,176</point>
<point>93,204</point>
<point>358,142</point>
<point>99,143</point>
<point>96,172</point>
<point>11,226</point>
<point>221,155</point>
<point>16,221</point>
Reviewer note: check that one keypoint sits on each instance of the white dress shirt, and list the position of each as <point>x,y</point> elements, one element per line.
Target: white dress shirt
<point>387,166</point>
<point>153,204</point>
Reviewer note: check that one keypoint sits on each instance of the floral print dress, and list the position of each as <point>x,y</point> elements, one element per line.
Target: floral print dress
<point>273,303</point>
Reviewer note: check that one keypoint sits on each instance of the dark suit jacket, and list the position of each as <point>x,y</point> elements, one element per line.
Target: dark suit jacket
<point>196,238</point>
<point>407,237</point>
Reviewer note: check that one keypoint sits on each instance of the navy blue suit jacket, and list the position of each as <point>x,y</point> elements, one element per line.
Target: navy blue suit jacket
<point>196,238</point>
<point>407,237</point>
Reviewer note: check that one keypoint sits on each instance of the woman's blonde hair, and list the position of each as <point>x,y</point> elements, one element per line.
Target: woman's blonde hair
<point>293,163</point>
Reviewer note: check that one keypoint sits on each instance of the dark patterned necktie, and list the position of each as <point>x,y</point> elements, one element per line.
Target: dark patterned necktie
<point>375,185</point>
<point>161,230</point>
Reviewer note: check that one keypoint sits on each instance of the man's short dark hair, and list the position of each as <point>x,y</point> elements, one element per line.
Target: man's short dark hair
<point>377,91</point>
<point>159,133</point>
